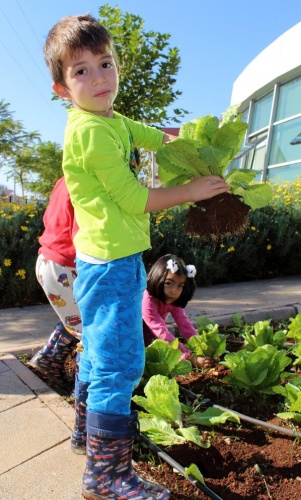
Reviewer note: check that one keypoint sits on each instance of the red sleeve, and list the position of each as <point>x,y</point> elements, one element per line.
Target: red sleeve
<point>60,227</point>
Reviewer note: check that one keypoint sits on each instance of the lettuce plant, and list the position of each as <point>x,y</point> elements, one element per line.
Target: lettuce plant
<point>257,371</point>
<point>294,328</point>
<point>167,420</point>
<point>163,358</point>
<point>292,395</point>
<point>208,342</point>
<point>262,334</point>
<point>206,146</point>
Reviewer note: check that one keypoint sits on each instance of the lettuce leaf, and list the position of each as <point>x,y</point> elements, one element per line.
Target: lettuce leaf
<point>206,147</point>
<point>162,399</point>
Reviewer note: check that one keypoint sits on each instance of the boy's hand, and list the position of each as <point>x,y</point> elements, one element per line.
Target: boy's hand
<point>203,188</point>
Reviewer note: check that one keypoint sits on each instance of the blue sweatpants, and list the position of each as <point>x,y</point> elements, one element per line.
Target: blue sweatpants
<point>109,297</point>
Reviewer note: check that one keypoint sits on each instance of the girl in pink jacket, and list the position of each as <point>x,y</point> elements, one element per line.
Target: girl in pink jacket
<point>170,286</point>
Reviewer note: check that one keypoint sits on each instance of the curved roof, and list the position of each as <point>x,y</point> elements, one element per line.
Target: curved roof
<point>278,62</point>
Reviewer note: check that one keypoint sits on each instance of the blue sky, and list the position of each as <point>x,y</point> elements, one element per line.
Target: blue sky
<point>217,40</point>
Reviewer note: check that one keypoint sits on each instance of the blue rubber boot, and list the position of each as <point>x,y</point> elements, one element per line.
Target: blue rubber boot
<point>79,434</point>
<point>109,473</point>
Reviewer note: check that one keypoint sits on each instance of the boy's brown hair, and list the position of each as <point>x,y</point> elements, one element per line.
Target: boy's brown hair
<point>72,35</point>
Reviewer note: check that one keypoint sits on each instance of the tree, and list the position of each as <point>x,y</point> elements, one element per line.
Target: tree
<point>47,166</point>
<point>31,163</point>
<point>148,68</point>
<point>16,147</point>
<point>7,129</point>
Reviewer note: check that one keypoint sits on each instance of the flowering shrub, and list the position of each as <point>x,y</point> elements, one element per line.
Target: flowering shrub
<point>269,248</point>
<point>20,227</point>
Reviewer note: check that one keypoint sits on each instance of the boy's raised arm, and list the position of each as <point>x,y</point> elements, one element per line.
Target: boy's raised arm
<point>198,189</point>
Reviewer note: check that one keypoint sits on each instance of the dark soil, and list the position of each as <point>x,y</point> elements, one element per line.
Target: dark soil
<point>218,217</point>
<point>244,462</point>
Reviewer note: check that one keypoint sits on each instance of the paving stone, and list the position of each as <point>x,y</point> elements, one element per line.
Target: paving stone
<point>28,430</point>
<point>13,391</point>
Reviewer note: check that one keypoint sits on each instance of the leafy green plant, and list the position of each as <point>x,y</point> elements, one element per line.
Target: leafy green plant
<point>292,394</point>
<point>208,342</point>
<point>194,472</point>
<point>212,416</point>
<point>163,358</point>
<point>294,328</point>
<point>206,146</point>
<point>163,422</point>
<point>296,351</point>
<point>167,420</point>
<point>263,333</point>
<point>257,371</point>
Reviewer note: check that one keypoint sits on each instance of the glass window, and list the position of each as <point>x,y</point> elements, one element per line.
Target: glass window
<point>289,101</point>
<point>282,150</point>
<point>245,115</point>
<point>261,113</point>
<point>287,173</point>
<point>255,158</point>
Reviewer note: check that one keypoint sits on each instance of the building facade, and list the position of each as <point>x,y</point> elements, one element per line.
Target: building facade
<point>269,94</point>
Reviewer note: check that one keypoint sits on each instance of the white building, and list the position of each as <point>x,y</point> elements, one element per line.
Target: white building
<point>269,93</point>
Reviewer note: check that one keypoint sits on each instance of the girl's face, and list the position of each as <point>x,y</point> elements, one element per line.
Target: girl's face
<point>173,286</point>
<point>91,82</point>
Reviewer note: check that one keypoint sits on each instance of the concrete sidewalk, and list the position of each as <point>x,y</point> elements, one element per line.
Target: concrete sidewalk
<point>35,422</point>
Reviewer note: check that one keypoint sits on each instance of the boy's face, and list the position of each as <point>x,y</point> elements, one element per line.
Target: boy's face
<point>91,82</point>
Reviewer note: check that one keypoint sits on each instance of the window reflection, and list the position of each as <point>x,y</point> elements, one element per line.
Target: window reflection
<point>261,113</point>
<point>289,101</point>
<point>282,150</point>
<point>287,173</point>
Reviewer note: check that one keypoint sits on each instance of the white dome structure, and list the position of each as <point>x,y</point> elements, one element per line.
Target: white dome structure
<point>269,94</point>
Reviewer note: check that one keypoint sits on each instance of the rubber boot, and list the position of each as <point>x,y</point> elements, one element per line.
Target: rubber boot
<point>50,360</point>
<point>79,434</point>
<point>109,473</point>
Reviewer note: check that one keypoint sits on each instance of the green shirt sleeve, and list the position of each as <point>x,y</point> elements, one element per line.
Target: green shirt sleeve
<point>102,155</point>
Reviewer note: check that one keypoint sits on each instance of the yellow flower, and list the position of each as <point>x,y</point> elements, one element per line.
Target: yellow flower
<point>24,228</point>
<point>31,215</point>
<point>231,249</point>
<point>222,246</point>
<point>269,247</point>
<point>253,228</point>
<point>21,273</point>
<point>7,262</point>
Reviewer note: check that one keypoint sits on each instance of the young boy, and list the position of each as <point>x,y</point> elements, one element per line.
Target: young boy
<point>111,209</point>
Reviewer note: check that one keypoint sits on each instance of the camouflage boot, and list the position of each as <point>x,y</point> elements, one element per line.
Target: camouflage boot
<point>50,360</point>
<point>79,434</point>
<point>109,473</point>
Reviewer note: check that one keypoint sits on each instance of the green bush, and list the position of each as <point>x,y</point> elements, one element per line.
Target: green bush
<point>20,228</point>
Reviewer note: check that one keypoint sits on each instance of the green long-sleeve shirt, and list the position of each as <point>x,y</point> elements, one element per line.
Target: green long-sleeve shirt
<point>108,200</point>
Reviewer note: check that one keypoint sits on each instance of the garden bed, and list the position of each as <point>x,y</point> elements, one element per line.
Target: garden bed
<point>245,461</point>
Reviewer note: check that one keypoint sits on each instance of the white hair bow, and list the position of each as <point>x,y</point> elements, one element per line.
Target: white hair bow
<point>191,271</point>
<point>172,265</point>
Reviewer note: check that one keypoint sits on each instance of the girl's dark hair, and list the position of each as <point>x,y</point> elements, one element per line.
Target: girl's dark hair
<point>157,276</point>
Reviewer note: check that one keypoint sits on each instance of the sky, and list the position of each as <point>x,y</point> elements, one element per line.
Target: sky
<point>216,40</point>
